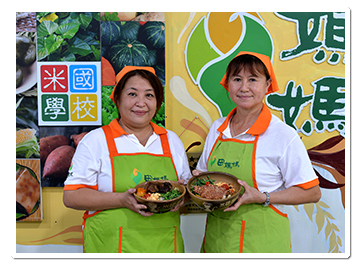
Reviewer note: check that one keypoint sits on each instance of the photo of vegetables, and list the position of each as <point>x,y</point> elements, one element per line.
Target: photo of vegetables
<point>133,16</point>
<point>28,190</point>
<point>130,43</point>
<point>25,59</point>
<point>57,147</point>
<point>27,130</point>
<point>68,36</point>
<point>79,36</point>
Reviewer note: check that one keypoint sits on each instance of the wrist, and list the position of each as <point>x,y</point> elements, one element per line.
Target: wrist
<point>267,199</point>
<point>121,199</point>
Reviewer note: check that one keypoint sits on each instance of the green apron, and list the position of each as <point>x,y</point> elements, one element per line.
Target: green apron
<point>122,230</point>
<point>252,227</point>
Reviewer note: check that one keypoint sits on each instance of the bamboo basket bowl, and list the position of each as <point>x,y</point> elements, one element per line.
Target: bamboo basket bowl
<point>210,205</point>
<point>161,206</point>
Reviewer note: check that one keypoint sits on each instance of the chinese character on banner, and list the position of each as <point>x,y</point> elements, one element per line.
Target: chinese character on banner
<point>69,93</point>
<point>54,107</point>
<point>54,78</point>
<point>83,107</point>
<point>328,105</point>
<point>83,78</point>
<point>309,27</point>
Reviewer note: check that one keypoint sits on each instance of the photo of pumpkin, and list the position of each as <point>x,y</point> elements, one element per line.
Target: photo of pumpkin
<point>128,53</point>
<point>130,43</point>
<point>133,43</point>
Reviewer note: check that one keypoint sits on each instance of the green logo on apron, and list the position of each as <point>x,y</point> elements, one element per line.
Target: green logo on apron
<point>213,160</point>
<point>136,176</point>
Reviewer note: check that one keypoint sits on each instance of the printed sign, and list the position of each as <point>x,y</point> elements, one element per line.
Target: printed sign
<point>83,78</point>
<point>307,50</point>
<point>69,93</point>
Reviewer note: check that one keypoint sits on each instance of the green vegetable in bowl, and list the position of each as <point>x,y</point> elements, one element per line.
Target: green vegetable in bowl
<point>174,193</point>
<point>203,181</point>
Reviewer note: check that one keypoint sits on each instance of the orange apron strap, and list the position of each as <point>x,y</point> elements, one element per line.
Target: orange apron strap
<point>253,162</point>
<point>218,138</point>
<point>110,140</point>
<point>165,145</point>
<point>167,151</point>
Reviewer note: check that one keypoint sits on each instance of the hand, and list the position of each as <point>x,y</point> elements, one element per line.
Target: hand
<point>251,195</point>
<point>176,208</point>
<point>196,172</point>
<point>131,203</point>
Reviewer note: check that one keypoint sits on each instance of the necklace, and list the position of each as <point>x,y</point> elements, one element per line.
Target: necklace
<point>148,136</point>
<point>236,128</point>
<point>232,130</point>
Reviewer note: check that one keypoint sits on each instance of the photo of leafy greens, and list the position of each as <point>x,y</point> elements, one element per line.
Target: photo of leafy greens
<point>68,36</point>
<point>27,130</point>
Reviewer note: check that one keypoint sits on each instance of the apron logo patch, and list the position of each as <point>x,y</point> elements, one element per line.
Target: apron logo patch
<point>213,160</point>
<point>151,178</point>
<point>70,173</point>
<point>137,176</point>
<point>225,164</point>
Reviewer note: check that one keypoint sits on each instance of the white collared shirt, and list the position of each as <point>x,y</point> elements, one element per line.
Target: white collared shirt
<point>91,165</point>
<point>281,159</point>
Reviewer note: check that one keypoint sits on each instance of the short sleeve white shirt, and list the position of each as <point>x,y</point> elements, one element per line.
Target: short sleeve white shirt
<point>91,164</point>
<point>281,159</point>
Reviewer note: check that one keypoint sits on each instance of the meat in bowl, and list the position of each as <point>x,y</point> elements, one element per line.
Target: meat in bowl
<point>206,188</point>
<point>212,191</point>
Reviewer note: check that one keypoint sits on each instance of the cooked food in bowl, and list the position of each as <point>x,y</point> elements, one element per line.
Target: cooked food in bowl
<point>214,190</point>
<point>158,191</point>
<point>160,196</point>
<point>206,188</point>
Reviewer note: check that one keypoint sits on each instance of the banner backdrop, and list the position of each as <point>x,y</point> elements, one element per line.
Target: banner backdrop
<point>308,54</point>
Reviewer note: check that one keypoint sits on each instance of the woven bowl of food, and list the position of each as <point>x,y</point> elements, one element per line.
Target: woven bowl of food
<point>160,196</point>
<point>213,191</point>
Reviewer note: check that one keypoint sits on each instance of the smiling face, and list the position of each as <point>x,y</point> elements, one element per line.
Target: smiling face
<point>137,102</point>
<point>247,90</point>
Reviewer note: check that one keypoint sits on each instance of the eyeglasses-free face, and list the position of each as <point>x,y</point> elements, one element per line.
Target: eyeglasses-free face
<point>248,90</point>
